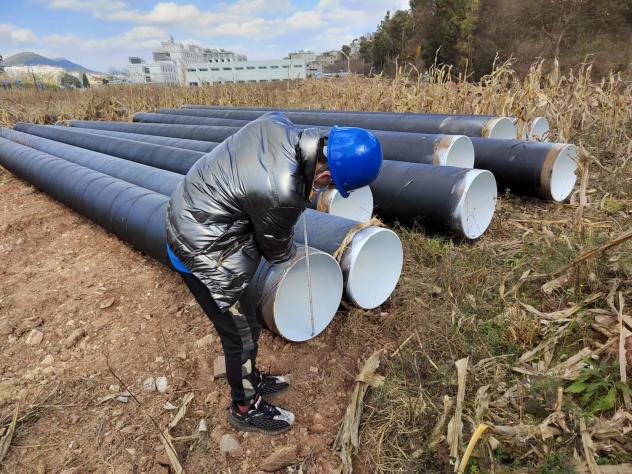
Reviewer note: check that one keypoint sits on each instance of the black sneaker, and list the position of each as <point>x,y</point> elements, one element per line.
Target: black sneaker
<point>266,384</point>
<point>262,417</point>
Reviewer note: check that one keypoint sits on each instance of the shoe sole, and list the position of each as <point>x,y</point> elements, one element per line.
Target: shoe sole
<point>240,426</point>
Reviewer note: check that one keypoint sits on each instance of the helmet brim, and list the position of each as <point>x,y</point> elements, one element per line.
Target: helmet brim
<point>332,167</point>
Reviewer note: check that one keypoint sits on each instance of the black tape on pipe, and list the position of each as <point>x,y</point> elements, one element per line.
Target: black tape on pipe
<point>195,145</point>
<point>189,132</point>
<point>167,158</point>
<point>151,178</point>
<point>538,169</point>
<point>469,125</point>
<point>396,146</point>
<point>133,213</point>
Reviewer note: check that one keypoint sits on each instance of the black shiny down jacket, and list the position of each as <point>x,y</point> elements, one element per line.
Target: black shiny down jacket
<point>240,202</point>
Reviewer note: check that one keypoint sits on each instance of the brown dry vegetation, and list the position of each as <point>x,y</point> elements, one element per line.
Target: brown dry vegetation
<point>483,300</point>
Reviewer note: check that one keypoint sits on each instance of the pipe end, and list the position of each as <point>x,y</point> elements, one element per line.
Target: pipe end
<point>501,127</point>
<point>563,175</point>
<point>477,205</point>
<point>358,206</point>
<point>292,315</point>
<point>372,265</point>
<point>460,153</point>
<point>538,129</point>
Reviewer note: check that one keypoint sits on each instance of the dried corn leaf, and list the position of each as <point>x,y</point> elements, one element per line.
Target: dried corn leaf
<point>437,432</point>
<point>455,427</point>
<point>587,445</point>
<point>347,439</point>
<point>7,436</point>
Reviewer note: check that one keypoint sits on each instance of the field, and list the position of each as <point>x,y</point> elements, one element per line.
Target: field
<point>538,306</point>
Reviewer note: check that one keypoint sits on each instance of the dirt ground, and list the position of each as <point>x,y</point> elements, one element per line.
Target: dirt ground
<point>106,312</point>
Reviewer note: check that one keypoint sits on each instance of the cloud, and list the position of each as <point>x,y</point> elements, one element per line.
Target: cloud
<point>10,34</point>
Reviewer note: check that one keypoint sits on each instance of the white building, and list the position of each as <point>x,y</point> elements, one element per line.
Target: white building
<point>177,63</point>
<point>163,72</point>
<point>244,71</point>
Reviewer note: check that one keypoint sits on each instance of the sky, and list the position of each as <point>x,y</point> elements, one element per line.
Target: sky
<point>100,34</point>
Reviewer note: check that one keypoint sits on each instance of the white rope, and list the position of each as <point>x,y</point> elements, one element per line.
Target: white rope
<point>309,277</point>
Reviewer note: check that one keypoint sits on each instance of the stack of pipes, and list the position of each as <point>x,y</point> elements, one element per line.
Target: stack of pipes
<point>442,172</point>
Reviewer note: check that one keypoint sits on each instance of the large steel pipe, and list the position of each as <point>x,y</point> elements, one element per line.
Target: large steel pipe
<point>371,257</point>
<point>471,125</point>
<point>195,145</point>
<point>358,206</point>
<point>436,197</point>
<point>136,215</point>
<point>545,170</point>
<point>287,301</point>
<point>186,119</point>
<point>425,210</point>
<point>167,158</point>
<point>486,126</point>
<point>189,132</point>
<point>154,179</point>
<point>442,150</point>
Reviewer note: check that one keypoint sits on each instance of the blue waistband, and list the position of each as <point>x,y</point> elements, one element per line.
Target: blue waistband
<point>177,264</point>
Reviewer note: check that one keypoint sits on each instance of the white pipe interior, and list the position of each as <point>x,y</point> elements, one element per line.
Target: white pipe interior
<point>502,127</point>
<point>476,207</point>
<point>460,153</point>
<point>372,265</point>
<point>291,305</point>
<point>563,176</point>
<point>539,129</point>
<point>358,206</point>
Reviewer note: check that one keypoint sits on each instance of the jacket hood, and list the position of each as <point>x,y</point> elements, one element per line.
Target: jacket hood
<point>309,148</point>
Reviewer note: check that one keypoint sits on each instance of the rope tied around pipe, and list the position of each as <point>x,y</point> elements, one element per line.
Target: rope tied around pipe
<point>373,222</point>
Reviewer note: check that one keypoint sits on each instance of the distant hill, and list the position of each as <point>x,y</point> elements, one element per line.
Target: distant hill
<point>33,59</point>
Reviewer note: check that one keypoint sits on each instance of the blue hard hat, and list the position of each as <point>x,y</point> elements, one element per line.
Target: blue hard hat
<point>354,156</point>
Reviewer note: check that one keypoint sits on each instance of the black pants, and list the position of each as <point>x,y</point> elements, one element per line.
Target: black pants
<point>239,335</point>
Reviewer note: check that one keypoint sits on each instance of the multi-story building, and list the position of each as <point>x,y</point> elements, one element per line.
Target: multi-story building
<point>161,72</point>
<point>177,63</point>
<point>244,71</point>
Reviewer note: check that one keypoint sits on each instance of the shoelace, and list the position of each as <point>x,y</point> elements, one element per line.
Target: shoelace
<point>264,406</point>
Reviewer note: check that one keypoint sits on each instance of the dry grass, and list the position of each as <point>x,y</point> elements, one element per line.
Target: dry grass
<point>460,299</point>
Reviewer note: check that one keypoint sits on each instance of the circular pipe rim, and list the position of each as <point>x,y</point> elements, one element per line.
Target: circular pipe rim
<point>539,129</point>
<point>372,266</point>
<point>290,312</point>
<point>358,206</point>
<point>460,153</point>
<point>501,127</point>
<point>477,204</point>
<point>563,174</point>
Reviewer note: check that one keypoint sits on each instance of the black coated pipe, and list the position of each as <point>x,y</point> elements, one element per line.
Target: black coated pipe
<point>167,158</point>
<point>544,170</point>
<point>436,197</point>
<point>195,145</point>
<point>189,132</point>
<point>442,150</point>
<point>184,119</point>
<point>137,216</point>
<point>154,179</point>
<point>469,125</point>
<point>538,169</point>
<point>134,214</point>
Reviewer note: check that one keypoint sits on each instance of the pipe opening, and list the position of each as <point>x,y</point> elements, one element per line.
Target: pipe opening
<point>460,153</point>
<point>478,203</point>
<point>539,129</point>
<point>372,264</point>
<point>563,176</point>
<point>291,305</point>
<point>358,206</point>
<point>502,127</point>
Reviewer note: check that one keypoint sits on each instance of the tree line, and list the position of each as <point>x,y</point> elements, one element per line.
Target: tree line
<point>471,35</point>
